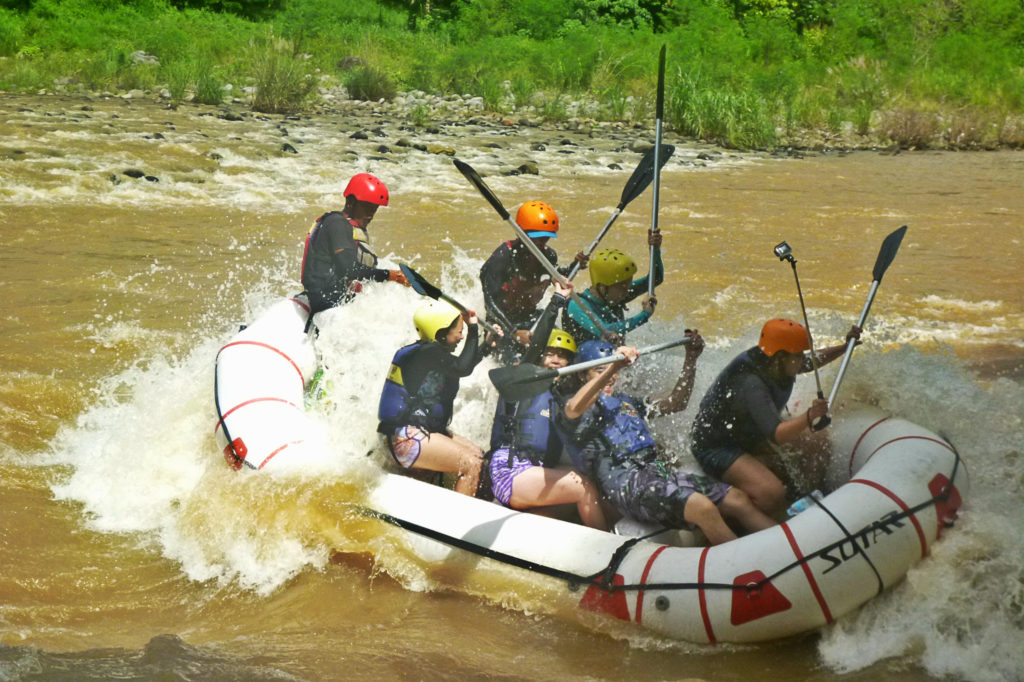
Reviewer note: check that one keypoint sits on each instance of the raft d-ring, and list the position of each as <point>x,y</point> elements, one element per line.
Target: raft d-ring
<point>753,590</point>
<point>661,603</point>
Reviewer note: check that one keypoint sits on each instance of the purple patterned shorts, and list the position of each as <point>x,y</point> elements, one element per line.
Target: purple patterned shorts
<point>502,475</point>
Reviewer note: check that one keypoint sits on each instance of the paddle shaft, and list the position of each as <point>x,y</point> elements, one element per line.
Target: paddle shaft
<point>659,111</point>
<point>593,245</point>
<point>852,342</point>
<point>637,183</point>
<point>495,203</point>
<point>590,364</point>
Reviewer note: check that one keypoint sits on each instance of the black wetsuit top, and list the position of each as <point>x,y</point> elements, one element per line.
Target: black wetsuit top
<point>742,407</point>
<point>337,255</point>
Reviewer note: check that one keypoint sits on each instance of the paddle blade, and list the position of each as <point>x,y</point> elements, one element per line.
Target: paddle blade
<point>482,187</point>
<point>521,381</point>
<point>888,251</point>
<point>418,284</point>
<point>644,173</point>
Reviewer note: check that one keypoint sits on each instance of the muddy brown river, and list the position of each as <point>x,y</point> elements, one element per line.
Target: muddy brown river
<point>129,549</point>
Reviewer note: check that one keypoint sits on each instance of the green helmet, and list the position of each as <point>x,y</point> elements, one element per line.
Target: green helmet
<point>611,266</point>
<point>433,317</point>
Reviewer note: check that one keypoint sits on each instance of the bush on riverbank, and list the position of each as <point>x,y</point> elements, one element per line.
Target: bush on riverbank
<point>745,73</point>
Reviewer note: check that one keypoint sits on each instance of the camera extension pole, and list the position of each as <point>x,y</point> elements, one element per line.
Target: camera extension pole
<point>784,252</point>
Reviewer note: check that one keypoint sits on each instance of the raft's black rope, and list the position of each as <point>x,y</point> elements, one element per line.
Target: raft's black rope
<point>853,541</point>
<point>220,414</point>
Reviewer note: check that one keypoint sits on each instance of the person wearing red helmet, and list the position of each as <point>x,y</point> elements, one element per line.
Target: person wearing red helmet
<point>514,281</point>
<point>740,420</point>
<point>337,256</point>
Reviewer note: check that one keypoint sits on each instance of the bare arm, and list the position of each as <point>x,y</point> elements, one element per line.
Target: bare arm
<point>679,397</point>
<point>827,355</point>
<point>600,377</point>
<point>790,429</point>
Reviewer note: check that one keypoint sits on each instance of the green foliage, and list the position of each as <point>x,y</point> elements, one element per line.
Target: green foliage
<point>284,81</point>
<point>250,9</point>
<point>209,88</point>
<point>368,83</point>
<point>741,120</point>
<point>740,70</point>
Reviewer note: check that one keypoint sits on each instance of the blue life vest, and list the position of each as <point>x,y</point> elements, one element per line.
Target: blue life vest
<point>398,408</point>
<point>527,430</point>
<point>621,433</point>
<point>624,429</point>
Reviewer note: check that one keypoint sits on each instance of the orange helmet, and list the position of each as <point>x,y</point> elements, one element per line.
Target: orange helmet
<point>367,188</point>
<point>537,219</point>
<point>787,335</point>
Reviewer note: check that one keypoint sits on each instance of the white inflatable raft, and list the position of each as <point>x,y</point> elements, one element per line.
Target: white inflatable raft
<point>895,486</point>
<point>898,486</point>
<point>261,376</point>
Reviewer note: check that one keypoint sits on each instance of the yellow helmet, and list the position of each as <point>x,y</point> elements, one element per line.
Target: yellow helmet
<point>432,317</point>
<point>611,266</point>
<point>561,339</point>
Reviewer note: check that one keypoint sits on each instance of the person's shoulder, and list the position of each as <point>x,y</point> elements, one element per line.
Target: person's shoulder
<point>332,218</point>
<point>502,252</point>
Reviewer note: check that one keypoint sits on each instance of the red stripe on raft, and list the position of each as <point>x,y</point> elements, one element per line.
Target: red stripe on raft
<point>268,347</point>
<point>276,452</point>
<point>250,402</point>
<point>301,304</point>
<point>853,453</point>
<point>902,505</point>
<point>643,581</point>
<point>807,573</point>
<point>703,598</point>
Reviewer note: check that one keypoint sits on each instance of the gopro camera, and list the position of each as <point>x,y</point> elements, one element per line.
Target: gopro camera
<point>783,250</point>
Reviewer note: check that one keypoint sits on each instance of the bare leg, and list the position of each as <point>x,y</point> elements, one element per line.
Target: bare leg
<point>455,455</point>
<point>736,505</point>
<point>542,487</point>
<point>703,513</point>
<point>756,480</point>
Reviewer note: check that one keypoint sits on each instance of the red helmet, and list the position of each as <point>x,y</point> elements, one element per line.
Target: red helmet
<point>787,335</point>
<point>537,219</point>
<point>367,188</point>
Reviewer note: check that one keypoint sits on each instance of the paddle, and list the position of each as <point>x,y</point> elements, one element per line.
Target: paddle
<point>659,113</point>
<point>425,288</point>
<point>527,380</point>
<point>635,186</point>
<point>493,200</point>
<point>785,252</point>
<point>886,254</point>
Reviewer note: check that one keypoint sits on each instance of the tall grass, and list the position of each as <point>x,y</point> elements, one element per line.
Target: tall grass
<point>284,80</point>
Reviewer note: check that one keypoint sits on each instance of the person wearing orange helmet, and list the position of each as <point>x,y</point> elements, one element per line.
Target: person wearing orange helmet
<point>740,418</point>
<point>337,256</point>
<point>514,281</point>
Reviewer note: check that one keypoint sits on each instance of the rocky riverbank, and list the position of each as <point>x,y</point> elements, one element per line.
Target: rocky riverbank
<point>418,110</point>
